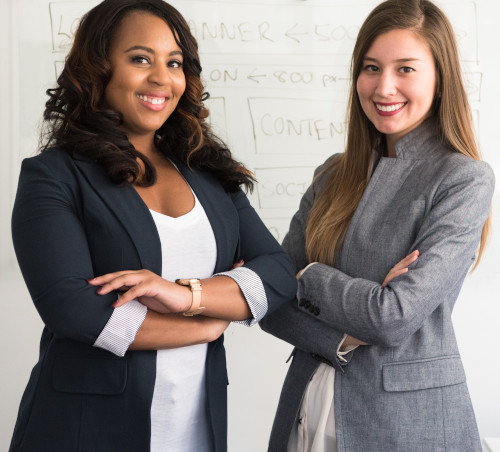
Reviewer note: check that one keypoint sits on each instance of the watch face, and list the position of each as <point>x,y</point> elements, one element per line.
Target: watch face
<point>188,281</point>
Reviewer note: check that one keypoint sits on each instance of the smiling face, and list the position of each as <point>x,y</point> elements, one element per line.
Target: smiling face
<point>147,76</point>
<point>397,83</point>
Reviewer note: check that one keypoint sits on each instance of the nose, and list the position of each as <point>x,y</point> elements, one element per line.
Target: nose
<point>387,84</point>
<point>159,74</point>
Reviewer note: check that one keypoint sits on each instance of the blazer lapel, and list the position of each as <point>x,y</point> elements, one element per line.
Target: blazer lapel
<point>129,210</point>
<point>219,209</point>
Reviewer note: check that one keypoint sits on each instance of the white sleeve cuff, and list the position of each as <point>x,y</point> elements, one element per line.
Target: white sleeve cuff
<point>253,291</point>
<point>121,328</point>
<point>345,350</point>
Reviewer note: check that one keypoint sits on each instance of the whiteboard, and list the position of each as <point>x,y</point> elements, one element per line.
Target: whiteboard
<point>278,75</point>
<point>277,72</point>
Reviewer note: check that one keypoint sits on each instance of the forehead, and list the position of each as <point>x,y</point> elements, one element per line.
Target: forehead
<point>141,28</point>
<point>399,44</point>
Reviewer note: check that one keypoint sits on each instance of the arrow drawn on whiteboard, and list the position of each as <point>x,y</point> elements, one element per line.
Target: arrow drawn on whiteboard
<point>460,34</point>
<point>252,77</point>
<point>292,35</point>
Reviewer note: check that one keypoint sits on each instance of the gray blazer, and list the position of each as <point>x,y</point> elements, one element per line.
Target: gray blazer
<point>407,391</point>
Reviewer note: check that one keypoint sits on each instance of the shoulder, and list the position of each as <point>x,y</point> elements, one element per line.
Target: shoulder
<point>54,159</point>
<point>323,173</point>
<point>54,167</point>
<point>456,176</point>
<point>327,166</point>
<point>455,167</point>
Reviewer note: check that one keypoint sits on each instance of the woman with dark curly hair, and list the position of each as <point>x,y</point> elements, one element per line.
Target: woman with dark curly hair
<point>127,225</point>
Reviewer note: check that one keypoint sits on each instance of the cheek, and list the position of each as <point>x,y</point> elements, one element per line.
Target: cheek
<point>180,86</point>
<point>364,89</point>
<point>364,94</point>
<point>425,92</point>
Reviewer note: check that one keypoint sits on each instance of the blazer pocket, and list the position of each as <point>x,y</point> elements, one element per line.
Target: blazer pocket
<point>423,374</point>
<point>89,375</point>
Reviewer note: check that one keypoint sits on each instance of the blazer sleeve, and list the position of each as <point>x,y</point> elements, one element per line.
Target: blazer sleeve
<point>308,333</point>
<point>447,241</point>
<point>53,254</point>
<point>263,255</point>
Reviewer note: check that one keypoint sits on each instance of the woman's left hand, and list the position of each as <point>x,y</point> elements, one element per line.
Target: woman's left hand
<point>146,287</point>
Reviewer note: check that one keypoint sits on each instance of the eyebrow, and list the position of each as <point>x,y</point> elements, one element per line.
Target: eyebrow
<point>399,60</point>
<point>151,51</point>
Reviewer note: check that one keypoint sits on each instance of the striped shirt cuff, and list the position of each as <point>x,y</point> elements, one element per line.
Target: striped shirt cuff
<point>253,291</point>
<point>121,328</point>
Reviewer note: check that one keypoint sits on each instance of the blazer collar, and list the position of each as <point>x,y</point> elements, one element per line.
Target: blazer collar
<point>420,143</point>
<point>130,211</point>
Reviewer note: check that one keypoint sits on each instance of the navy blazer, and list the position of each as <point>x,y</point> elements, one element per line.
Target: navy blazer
<point>71,223</point>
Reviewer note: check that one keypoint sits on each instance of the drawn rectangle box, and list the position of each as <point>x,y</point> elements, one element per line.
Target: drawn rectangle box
<point>64,20</point>
<point>297,126</point>
<point>282,187</point>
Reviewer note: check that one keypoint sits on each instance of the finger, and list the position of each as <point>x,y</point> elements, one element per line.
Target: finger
<point>125,281</point>
<point>121,300</point>
<point>412,257</point>
<point>132,294</point>
<point>398,272</point>
<point>240,263</point>
<point>393,274</point>
<point>103,279</point>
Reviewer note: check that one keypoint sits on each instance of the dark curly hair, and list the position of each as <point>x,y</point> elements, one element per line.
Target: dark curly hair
<point>77,119</point>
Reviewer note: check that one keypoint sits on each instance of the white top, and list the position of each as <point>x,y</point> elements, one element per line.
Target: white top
<point>178,410</point>
<point>316,429</point>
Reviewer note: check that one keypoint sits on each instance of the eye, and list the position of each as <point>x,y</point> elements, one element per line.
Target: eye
<point>370,68</point>
<point>139,59</point>
<point>176,64</point>
<point>406,69</point>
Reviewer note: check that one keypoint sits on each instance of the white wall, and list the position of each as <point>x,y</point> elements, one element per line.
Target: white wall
<point>256,361</point>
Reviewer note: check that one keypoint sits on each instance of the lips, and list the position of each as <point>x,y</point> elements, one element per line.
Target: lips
<point>389,109</point>
<point>152,99</point>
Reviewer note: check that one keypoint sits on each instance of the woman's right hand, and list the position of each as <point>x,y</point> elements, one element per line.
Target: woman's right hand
<point>401,267</point>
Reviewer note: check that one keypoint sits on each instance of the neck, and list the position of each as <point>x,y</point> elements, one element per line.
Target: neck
<point>390,149</point>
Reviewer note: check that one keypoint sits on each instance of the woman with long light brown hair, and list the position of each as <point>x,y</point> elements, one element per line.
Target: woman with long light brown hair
<point>376,365</point>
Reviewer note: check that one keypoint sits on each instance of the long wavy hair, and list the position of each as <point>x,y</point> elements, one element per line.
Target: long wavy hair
<point>334,208</point>
<point>77,119</point>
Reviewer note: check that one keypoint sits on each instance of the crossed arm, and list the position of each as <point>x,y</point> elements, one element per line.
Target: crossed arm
<point>163,327</point>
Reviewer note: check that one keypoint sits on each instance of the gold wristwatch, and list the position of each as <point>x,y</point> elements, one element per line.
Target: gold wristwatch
<point>195,286</point>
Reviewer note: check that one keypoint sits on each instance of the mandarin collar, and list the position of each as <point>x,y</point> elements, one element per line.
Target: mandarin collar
<point>420,143</point>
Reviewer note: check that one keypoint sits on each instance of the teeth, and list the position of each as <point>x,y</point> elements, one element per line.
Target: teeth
<point>152,100</point>
<point>390,107</point>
